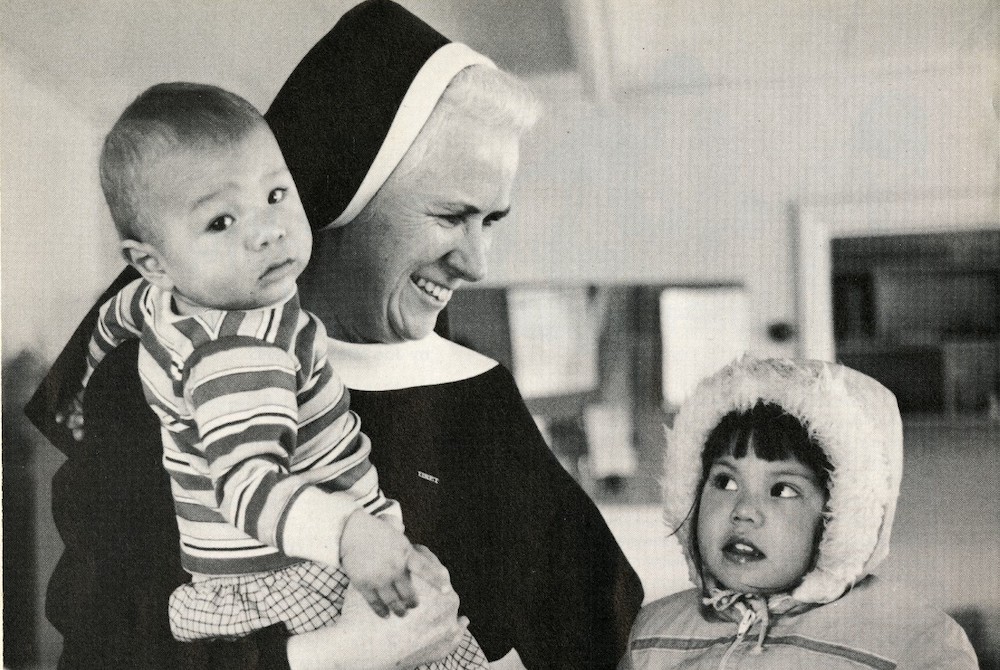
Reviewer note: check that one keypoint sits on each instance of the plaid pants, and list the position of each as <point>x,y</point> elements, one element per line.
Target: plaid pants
<point>305,596</point>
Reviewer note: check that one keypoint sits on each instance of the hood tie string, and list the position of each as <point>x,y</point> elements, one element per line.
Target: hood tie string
<point>749,608</point>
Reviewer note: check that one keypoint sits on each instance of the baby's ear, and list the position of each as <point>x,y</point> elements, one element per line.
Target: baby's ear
<point>146,259</point>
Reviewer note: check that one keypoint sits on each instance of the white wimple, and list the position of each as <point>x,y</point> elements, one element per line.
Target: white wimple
<point>416,107</point>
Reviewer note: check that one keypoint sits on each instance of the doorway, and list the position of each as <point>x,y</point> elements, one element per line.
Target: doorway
<point>908,292</point>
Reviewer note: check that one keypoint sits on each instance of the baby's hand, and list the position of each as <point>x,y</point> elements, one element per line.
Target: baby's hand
<point>72,416</point>
<point>376,558</point>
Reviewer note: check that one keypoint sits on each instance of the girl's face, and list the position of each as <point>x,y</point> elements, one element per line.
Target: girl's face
<point>759,522</point>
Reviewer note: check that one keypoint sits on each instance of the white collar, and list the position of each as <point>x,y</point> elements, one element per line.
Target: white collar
<point>384,367</point>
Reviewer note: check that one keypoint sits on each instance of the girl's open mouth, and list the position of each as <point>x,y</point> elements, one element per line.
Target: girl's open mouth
<point>741,551</point>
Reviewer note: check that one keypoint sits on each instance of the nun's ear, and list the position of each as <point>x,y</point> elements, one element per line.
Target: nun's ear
<point>147,260</point>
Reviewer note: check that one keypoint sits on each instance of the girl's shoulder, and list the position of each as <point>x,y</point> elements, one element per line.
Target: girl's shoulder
<point>886,619</point>
<point>668,612</point>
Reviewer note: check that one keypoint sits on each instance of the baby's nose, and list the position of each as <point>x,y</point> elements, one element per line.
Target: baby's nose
<point>269,233</point>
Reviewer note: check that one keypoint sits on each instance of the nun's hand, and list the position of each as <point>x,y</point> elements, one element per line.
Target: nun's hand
<point>71,416</point>
<point>424,564</point>
<point>360,640</point>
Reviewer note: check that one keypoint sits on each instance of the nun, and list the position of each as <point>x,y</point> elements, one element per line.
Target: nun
<point>404,147</point>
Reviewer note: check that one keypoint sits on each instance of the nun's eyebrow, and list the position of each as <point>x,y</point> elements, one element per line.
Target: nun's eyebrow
<point>463,210</point>
<point>499,214</point>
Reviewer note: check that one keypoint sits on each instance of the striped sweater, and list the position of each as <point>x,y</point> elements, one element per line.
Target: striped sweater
<point>251,415</point>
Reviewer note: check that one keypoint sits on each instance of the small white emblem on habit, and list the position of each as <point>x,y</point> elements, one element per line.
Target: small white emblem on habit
<point>430,478</point>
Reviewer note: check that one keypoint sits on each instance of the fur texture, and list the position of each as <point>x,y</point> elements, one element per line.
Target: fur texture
<point>852,417</point>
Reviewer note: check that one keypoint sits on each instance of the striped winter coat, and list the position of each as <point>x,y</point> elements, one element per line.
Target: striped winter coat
<point>837,617</point>
<point>251,414</point>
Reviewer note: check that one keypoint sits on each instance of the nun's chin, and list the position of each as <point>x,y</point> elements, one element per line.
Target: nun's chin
<point>415,314</point>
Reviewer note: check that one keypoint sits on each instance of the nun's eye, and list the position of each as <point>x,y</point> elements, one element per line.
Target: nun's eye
<point>450,219</point>
<point>493,218</point>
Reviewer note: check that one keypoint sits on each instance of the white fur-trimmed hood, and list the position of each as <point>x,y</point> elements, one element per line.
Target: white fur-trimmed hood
<point>852,417</point>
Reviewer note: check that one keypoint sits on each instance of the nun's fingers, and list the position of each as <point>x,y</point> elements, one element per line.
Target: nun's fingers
<point>374,601</point>
<point>391,598</point>
<point>406,591</point>
<point>461,629</point>
<point>422,563</point>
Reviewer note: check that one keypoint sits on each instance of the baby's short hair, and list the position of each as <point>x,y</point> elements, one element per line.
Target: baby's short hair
<point>163,118</point>
<point>771,434</point>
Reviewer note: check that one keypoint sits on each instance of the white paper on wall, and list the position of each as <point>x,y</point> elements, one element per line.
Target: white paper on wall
<point>609,440</point>
<point>703,329</point>
<point>554,335</point>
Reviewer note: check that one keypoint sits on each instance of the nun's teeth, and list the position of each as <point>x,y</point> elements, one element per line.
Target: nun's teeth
<point>432,289</point>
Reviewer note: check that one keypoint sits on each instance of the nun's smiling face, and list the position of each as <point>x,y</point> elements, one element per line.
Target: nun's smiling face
<point>388,274</point>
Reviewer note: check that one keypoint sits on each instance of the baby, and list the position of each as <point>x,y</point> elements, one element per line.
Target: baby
<point>277,503</point>
<point>781,484</point>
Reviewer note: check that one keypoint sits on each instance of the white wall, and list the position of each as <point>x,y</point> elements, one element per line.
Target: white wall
<point>58,245</point>
<point>694,185</point>
<point>690,185</point>
<point>58,252</point>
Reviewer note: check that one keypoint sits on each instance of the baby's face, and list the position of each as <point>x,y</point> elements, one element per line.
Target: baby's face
<point>232,231</point>
<point>758,522</point>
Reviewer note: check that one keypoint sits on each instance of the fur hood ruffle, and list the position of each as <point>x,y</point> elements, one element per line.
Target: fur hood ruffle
<point>852,417</point>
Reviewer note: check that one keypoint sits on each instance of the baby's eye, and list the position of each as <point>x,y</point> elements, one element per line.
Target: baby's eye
<point>221,223</point>
<point>277,195</point>
<point>724,482</point>
<point>784,491</point>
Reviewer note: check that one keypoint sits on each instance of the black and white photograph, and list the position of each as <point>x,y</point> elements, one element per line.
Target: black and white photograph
<point>500,335</point>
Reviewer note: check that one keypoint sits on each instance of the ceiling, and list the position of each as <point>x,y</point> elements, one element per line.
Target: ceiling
<point>731,41</point>
<point>99,54</point>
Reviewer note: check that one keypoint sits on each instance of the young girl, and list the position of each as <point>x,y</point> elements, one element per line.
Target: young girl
<point>781,485</point>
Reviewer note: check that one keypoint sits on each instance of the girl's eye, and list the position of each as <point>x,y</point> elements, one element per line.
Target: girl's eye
<point>724,482</point>
<point>784,491</point>
<point>277,195</point>
<point>221,223</point>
